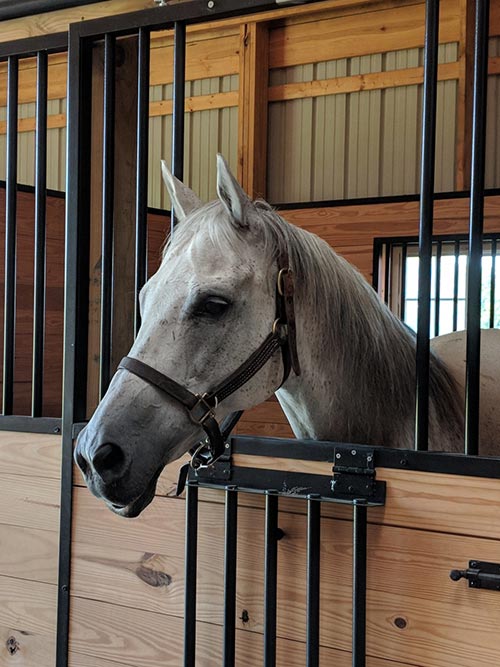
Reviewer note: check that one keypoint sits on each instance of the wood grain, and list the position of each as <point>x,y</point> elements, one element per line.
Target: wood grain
<point>30,454</point>
<point>363,34</point>
<point>29,553</point>
<point>30,502</point>
<point>400,560</point>
<point>27,622</point>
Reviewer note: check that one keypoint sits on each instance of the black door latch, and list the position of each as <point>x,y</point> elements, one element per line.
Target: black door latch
<point>479,575</point>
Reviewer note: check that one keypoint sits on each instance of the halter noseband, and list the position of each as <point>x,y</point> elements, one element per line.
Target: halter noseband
<point>201,407</point>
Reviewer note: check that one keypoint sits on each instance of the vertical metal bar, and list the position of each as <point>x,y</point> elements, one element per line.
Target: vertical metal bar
<point>493,281</point>
<point>437,288</point>
<point>141,194</point>
<point>76,294</point>
<point>387,271</point>
<point>426,221</point>
<point>230,553</point>
<point>404,256</point>
<point>313,590</point>
<point>359,538</point>
<point>10,237</point>
<point>456,252</point>
<point>179,92</point>
<point>190,575</point>
<point>472,385</point>
<point>40,234</point>
<point>270,579</point>
<point>108,194</point>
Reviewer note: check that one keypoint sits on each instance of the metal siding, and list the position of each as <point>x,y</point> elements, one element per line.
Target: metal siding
<point>362,144</point>
<point>492,175</point>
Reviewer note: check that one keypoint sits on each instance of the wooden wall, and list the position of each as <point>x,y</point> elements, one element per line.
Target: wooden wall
<point>127,590</point>
<point>29,538</point>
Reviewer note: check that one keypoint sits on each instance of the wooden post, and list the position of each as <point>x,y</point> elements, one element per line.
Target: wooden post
<point>124,211</point>
<point>253,101</point>
<point>464,115</point>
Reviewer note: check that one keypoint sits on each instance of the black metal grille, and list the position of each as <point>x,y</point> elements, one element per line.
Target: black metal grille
<point>397,259</point>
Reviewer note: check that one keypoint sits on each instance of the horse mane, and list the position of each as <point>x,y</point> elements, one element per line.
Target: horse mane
<point>373,352</point>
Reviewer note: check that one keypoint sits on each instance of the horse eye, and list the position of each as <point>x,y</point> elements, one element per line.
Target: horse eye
<point>214,306</point>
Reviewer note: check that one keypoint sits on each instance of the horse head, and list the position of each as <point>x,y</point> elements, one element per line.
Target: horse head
<point>208,307</point>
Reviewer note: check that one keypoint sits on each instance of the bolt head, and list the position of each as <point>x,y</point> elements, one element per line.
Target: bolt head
<point>353,452</point>
<point>210,4</point>
<point>338,456</point>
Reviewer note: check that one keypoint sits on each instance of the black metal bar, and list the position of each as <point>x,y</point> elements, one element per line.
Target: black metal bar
<point>426,221</point>
<point>404,256</point>
<point>179,92</point>
<point>164,17</point>
<point>13,9</point>
<point>270,579</point>
<point>493,282</point>
<point>359,585</point>
<point>30,46</point>
<point>75,306</point>
<point>387,271</point>
<point>10,237</point>
<point>40,234</point>
<point>437,288</point>
<point>190,568</point>
<point>288,448</point>
<point>30,424</point>
<point>472,383</point>
<point>141,194</point>
<point>313,589</point>
<point>108,194</point>
<point>456,252</point>
<point>230,554</point>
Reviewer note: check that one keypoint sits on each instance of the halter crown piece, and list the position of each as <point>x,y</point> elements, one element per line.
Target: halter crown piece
<point>201,407</point>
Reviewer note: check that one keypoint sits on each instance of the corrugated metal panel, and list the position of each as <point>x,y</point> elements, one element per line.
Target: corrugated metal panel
<point>207,133</point>
<point>492,174</point>
<point>361,144</point>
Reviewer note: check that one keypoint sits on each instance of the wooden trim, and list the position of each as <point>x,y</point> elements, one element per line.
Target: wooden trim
<point>253,104</point>
<point>60,21</point>
<point>358,82</point>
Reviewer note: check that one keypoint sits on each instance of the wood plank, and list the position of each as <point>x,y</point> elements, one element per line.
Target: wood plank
<point>30,454</point>
<point>252,119</point>
<point>28,553</point>
<point>364,34</point>
<point>31,502</point>
<point>27,623</point>
<point>400,559</point>
<point>358,82</point>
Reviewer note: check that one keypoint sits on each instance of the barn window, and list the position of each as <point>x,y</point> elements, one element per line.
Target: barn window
<point>397,281</point>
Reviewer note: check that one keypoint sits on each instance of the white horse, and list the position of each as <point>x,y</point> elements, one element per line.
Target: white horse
<point>213,302</point>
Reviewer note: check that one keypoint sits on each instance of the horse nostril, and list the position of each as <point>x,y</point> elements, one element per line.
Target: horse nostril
<point>109,461</point>
<point>81,462</point>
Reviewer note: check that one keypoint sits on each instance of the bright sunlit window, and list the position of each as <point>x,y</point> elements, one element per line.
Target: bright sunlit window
<point>448,283</point>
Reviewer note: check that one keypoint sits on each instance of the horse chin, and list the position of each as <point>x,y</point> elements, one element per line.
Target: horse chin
<point>134,508</point>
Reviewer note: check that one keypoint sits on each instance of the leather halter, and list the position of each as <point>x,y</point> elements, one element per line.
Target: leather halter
<point>201,407</point>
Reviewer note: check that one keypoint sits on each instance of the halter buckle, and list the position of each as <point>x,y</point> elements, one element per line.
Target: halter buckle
<point>204,406</point>
<point>204,456</point>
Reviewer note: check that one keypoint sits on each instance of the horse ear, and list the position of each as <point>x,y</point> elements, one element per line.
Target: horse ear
<point>184,201</point>
<point>231,194</point>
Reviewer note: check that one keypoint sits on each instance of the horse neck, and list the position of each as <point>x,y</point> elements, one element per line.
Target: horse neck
<point>351,384</point>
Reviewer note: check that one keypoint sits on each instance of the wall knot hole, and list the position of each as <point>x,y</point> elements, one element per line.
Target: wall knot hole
<point>12,645</point>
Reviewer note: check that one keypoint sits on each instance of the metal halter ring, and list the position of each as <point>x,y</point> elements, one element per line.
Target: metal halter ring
<point>281,273</point>
<point>197,461</point>
<point>202,402</point>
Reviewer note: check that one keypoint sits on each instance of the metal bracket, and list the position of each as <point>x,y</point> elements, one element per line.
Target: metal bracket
<point>354,476</point>
<point>218,471</point>
<point>480,575</point>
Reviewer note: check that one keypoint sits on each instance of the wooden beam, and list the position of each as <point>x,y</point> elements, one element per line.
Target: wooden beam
<point>124,202</point>
<point>252,125</point>
<point>358,82</point>
<point>464,99</point>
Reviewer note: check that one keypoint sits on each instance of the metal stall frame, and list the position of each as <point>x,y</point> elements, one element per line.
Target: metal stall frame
<point>12,53</point>
<point>81,38</point>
